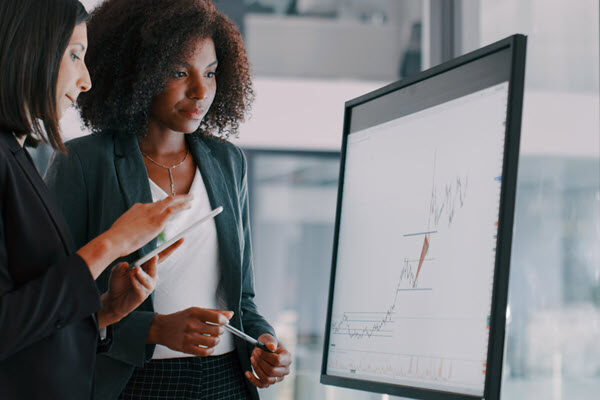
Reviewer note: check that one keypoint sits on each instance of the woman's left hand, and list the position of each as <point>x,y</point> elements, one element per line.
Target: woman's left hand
<point>127,289</point>
<point>269,367</point>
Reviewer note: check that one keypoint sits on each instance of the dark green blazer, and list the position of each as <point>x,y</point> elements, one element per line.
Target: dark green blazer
<point>101,177</point>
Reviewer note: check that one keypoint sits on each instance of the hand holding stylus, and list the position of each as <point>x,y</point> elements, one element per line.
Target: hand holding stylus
<point>269,367</point>
<point>193,331</point>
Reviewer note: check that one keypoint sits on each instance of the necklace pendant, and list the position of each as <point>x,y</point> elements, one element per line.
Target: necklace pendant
<point>172,182</point>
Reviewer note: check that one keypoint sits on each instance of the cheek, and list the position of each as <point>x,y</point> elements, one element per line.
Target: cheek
<point>213,91</point>
<point>162,104</point>
<point>61,81</point>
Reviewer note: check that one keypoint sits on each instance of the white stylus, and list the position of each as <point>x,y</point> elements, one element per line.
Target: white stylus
<point>247,338</point>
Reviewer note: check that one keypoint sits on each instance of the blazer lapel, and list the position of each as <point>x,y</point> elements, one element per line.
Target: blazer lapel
<point>132,176</point>
<point>26,164</point>
<point>227,227</point>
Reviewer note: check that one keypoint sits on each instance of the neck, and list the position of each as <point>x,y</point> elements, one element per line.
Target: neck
<point>162,142</point>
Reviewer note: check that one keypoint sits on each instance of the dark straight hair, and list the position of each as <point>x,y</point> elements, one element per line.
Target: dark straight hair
<point>34,34</point>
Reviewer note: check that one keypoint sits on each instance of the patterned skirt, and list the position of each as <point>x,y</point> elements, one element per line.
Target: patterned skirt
<point>193,378</point>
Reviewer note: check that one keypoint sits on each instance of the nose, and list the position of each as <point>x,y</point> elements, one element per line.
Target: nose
<point>84,82</point>
<point>197,90</point>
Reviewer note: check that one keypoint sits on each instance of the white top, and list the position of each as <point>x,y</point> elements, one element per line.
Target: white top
<point>190,276</point>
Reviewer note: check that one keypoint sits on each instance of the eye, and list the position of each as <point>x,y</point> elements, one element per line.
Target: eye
<point>180,74</point>
<point>75,57</point>
<point>211,74</point>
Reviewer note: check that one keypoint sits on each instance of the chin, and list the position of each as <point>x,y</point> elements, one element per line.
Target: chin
<point>189,128</point>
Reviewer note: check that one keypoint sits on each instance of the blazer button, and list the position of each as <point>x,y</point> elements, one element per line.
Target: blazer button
<point>59,324</point>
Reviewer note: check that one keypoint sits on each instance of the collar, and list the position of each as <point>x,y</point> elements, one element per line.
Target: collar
<point>9,140</point>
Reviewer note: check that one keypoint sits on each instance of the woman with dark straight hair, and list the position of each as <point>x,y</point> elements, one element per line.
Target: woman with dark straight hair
<point>51,312</point>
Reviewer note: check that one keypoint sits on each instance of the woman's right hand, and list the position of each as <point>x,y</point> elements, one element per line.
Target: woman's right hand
<point>187,331</point>
<point>136,227</point>
<point>143,222</point>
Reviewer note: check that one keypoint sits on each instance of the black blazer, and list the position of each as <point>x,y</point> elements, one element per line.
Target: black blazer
<point>48,333</point>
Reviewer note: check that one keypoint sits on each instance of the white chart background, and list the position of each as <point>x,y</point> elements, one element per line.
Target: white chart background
<point>435,171</point>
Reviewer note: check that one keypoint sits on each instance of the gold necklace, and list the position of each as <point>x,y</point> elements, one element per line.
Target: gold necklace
<point>168,168</point>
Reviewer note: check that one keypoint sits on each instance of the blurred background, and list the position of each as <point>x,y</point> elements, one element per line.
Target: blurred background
<point>310,56</point>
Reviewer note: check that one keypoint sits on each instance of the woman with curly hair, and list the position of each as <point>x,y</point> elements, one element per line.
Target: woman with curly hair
<point>171,84</point>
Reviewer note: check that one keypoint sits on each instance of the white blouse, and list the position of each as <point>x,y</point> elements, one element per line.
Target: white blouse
<point>190,276</point>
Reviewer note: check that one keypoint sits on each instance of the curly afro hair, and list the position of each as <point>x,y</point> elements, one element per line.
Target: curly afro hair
<point>133,48</point>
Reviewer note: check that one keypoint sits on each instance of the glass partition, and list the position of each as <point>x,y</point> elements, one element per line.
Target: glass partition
<point>552,349</point>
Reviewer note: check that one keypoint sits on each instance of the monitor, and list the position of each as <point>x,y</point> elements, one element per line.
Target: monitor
<point>420,267</point>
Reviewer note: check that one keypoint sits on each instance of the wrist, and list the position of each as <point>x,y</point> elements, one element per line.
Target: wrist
<point>107,315</point>
<point>112,244</point>
<point>98,254</point>
<point>154,333</point>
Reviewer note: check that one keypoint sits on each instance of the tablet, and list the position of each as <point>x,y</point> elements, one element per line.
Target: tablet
<point>175,238</point>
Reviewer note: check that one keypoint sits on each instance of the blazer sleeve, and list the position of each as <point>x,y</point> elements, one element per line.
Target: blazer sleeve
<point>66,180</point>
<point>254,323</point>
<point>64,293</point>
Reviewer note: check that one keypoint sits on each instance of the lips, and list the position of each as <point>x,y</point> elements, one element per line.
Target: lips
<point>70,99</point>
<point>195,113</point>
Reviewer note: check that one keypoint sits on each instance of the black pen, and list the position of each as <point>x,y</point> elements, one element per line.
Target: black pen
<point>247,338</point>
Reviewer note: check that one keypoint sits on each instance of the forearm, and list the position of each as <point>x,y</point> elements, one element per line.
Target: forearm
<point>254,323</point>
<point>63,294</point>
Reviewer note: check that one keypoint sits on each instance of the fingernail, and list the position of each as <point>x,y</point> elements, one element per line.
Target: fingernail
<point>270,346</point>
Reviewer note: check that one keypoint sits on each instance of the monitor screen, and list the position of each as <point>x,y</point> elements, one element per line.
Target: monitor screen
<point>416,249</point>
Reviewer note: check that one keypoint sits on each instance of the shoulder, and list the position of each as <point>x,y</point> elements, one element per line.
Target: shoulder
<point>224,148</point>
<point>91,145</point>
<point>226,151</point>
<point>4,154</point>
<point>4,162</point>
<point>90,151</point>
<point>85,156</point>
<point>230,158</point>
<point>7,150</point>
<point>229,155</point>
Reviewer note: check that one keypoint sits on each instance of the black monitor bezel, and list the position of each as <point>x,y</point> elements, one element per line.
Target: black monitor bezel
<point>516,44</point>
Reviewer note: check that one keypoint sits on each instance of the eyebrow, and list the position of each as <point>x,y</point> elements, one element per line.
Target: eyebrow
<point>185,64</point>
